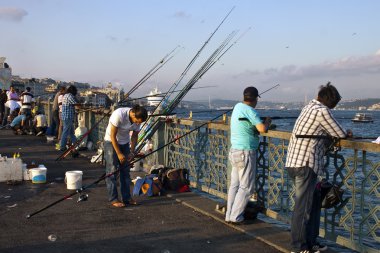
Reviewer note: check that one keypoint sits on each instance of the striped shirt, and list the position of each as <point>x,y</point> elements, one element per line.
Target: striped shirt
<point>315,119</point>
<point>68,106</point>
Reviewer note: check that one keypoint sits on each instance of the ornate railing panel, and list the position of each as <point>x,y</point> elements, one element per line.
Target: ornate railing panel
<point>356,168</point>
<point>203,152</point>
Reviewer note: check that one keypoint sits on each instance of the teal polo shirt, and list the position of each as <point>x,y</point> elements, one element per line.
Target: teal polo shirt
<point>243,136</point>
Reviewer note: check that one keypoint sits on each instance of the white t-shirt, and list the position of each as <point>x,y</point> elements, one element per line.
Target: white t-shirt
<point>120,119</point>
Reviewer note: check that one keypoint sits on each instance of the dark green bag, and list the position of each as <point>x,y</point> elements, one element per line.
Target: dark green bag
<point>331,194</point>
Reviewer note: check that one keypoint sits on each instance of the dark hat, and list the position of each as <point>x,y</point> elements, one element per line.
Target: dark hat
<point>251,93</point>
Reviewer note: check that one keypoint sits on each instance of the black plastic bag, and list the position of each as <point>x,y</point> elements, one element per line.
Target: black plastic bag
<point>331,194</point>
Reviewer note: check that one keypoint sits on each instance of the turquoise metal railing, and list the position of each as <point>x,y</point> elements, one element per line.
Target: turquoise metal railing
<point>354,223</point>
<point>356,168</point>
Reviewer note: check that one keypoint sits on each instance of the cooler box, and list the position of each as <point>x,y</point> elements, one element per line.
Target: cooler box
<point>11,169</point>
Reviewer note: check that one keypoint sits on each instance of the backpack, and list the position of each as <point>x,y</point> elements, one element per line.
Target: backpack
<point>172,179</point>
<point>150,185</point>
<point>176,179</point>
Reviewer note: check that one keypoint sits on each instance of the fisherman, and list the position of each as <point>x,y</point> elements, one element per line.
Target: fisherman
<point>40,123</point>
<point>56,111</point>
<point>119,149</point>
<point>304,163</point>
<point>69,104</point>
<point>18,123</point>
<point>11,104</point>
<point>245,127</point>
<point>3,99</point>
<point>27,99</point>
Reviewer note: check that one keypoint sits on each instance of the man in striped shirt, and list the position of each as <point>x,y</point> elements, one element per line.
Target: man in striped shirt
<point>304,163</point>
<point>68,116</point>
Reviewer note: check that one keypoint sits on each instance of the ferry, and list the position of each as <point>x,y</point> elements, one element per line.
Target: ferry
<point>156,97</point>
<point>362,118</point>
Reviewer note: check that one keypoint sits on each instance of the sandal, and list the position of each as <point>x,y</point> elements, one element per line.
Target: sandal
<point>132,202</point>
<point>118,204</point>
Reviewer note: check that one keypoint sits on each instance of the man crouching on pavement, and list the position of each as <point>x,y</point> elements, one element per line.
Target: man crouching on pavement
<point>119,149</point>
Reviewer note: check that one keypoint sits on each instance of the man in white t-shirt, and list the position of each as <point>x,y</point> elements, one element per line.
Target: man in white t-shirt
<point>119,148</point>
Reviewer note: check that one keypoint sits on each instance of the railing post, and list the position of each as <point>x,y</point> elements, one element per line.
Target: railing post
<point>49,115</point>
<point>160,140</point>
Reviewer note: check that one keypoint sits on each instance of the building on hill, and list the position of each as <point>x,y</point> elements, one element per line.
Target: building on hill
<point>113,93</point>
<point>96,99</point>
<point>374,107</point>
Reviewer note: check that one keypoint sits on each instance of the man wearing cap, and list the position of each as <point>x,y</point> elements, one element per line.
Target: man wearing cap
<point>245,127</point>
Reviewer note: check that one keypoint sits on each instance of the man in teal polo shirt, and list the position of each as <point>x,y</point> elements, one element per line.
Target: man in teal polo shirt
<point>245,127</point>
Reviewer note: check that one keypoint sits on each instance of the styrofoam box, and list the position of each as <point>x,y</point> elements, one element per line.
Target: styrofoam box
<point>11,169</point>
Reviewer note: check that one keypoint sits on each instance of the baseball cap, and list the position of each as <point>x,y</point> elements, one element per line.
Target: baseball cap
<point>250,93</point>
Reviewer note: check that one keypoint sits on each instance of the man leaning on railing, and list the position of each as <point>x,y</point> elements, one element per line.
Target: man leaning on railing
<point>244,143</point>
<point>304,162</point>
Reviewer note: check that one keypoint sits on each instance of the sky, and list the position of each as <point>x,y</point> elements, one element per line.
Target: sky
<point>297,44</point>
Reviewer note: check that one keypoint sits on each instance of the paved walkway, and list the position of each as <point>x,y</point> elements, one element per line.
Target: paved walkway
<point>174,223</point>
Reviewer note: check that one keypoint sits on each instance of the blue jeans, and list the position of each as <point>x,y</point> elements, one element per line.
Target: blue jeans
<point>68,130</point>
<point>242,185</point>
<point>307,209</point>
<point>112,165</point>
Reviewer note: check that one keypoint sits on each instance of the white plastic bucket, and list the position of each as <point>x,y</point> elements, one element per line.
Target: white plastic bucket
<point>38,175</point>
<point>26,172</point>
<point>73,179</point>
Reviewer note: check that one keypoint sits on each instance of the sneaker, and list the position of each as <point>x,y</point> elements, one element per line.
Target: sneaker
<point>305,251</point>
<point>39,133</point>
<point>319,247</point>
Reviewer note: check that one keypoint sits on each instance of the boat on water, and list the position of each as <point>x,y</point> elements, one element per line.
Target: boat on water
<point>362,118</point>
<point>155,97</point>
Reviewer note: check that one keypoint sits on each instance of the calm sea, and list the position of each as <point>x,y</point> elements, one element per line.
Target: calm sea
<point>289,117</point>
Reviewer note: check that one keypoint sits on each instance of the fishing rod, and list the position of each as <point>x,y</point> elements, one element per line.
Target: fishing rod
<point>138,84</point>
<point>192,61</point>
<point>135,158</point>
<point>150,130</point>
<point>270,88</point>
<point>148,125</point>
<point>234,43</point>
<point>72,147</point>
<point>163,94</point>
<point>331,137</point>
<point>153,70</point>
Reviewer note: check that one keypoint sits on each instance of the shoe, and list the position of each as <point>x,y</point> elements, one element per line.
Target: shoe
<point>133,202</point>
<point>306,251</point>
<point>319,247</point>
<point>117,204</point>
<point>39,133</point>
<point>239,223</point>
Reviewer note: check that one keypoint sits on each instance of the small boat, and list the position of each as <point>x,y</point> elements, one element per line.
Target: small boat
<point>362,118</point>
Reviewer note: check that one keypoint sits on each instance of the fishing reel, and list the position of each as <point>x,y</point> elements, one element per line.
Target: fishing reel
<point>334,145</point>
<point>82,197</point>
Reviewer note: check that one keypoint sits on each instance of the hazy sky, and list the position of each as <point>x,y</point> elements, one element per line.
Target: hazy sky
<point>297,44</point>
